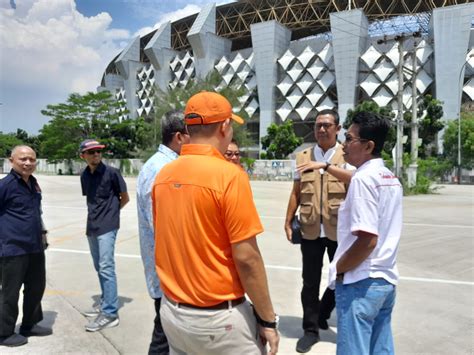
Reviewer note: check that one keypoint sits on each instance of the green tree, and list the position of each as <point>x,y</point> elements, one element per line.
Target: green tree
<point>7,142</point>
<point>93,115</point>
<point>467,141</point>
<point>280,140</point>
<point>428,127</point>
<point>385,111</point>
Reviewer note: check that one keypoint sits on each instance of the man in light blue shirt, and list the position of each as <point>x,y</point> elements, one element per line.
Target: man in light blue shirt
<point>174,135</point>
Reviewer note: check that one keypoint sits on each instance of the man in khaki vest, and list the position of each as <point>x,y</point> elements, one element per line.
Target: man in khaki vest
<point>319,187</point>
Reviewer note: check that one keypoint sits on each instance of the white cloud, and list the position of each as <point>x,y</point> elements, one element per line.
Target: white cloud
<point>149,8</point>
<point>170,16</point>
<point>49,46</point>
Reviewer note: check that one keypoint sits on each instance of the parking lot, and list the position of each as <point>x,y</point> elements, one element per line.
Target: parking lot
<point>433,313</point>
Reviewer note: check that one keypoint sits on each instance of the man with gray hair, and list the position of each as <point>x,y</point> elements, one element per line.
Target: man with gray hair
<point>173,135</point>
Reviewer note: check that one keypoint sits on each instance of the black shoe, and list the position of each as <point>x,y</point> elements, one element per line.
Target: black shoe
<point>305,343</point>
<point>323,324</point>
<point>35,331</point>
<point>13,340</point>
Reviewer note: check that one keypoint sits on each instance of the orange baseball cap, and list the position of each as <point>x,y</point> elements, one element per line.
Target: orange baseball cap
<point>208,107</point>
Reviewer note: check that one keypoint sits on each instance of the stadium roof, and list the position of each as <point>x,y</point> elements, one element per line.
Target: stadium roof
<point>305,18</point>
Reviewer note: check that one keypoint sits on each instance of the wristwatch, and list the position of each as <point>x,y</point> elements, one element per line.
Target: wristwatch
<point>265,324</point>
<point>327,166</point>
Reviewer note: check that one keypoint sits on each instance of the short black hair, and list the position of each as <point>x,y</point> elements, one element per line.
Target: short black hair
<point>329,112</point>
<point>171,123</point>
<point>372,127</point>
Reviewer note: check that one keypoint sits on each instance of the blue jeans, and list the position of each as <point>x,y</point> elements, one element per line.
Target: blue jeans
<point>364,311</point>
<point>102,251</point>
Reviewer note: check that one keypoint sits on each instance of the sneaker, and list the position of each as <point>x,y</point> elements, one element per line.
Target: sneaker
<point>35,330</point>
<point>101,322</point>
<point>93,312</point>
<point>13,340</point>
<point>305,343</point>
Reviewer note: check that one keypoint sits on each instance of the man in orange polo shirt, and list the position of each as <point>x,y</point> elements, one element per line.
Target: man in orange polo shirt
<point>206,252</point>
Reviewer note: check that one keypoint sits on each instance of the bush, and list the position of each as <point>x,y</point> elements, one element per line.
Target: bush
<point>430,171</point>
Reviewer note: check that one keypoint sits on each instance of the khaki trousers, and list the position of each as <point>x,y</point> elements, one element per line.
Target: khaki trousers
<point>208,332</point>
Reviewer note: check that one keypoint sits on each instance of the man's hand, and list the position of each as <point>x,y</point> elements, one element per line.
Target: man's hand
<point>288,231</point>
<point>311,165</point>
<point>271,337</point>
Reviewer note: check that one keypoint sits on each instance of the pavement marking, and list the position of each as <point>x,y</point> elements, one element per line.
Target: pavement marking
<point>130,256</point>
<point>405,223</point>
<point>439,225</point>
<point>422,279</point>
<point>278,267</point>
<point>283,217</point>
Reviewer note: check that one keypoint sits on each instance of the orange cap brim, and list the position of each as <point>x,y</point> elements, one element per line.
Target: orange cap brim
<point>238,119</point>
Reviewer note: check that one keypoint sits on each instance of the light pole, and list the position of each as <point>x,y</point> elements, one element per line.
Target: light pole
<point>460,90</point>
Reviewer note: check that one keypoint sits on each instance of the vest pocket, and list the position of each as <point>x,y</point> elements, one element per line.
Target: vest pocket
<point>333,210</point>
<point>335,186</point>
<point>307,188</point>
<point>308,176</point>
<point>307,213</point>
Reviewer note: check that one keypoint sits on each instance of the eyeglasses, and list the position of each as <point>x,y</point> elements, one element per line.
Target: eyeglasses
<point>92,152</point>
<point>230,154</point>
<point>324,125</point>
<point>350,139</point>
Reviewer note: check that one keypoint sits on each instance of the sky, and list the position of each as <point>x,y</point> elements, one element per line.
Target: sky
<point>52,48</point>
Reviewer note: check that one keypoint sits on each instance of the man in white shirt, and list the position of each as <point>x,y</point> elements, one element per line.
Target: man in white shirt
<point>319,188</point>
<point>173,136</point>
<point>364,268</point>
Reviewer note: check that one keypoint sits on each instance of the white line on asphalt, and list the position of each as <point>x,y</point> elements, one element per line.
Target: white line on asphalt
<point>438,225</point>
<point>422,279</point>
<point>283,217</point>
<point>278,267</point>
<point>406,224</point>
<point>130,256</point>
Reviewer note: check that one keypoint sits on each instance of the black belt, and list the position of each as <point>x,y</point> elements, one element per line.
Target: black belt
<point>219,306</point>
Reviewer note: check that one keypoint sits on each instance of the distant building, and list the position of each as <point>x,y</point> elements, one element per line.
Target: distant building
<point>298,57</point>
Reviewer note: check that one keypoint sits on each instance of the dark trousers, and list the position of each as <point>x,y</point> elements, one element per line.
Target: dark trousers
<point>159,343</point>
<point>28,270</point>
<point>313,309</point>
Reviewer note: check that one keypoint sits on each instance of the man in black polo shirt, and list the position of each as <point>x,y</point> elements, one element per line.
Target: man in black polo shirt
<point>22,244</point>
<point>106,193</point>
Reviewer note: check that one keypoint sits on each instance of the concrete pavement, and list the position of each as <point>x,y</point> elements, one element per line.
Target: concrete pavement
<point>433,314</point>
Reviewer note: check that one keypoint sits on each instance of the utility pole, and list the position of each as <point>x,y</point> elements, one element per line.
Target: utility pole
<point>412,169</point>
<point>399,121</point>
<point>398,161</point>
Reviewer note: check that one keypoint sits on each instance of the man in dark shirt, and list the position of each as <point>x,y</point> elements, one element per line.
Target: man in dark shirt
<point>106,193</point>
<point>22,244</point>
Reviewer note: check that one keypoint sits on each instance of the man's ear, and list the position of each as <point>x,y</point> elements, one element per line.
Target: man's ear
<point>179,138</point>
<point>224,126</point>
<point>370,147</point>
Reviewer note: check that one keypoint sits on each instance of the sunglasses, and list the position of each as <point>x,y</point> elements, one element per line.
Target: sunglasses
<point>230,154</point>
<point>92,152</point>
<point>324,125</point>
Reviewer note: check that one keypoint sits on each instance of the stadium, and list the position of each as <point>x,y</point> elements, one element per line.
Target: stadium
<point>295,57</point>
